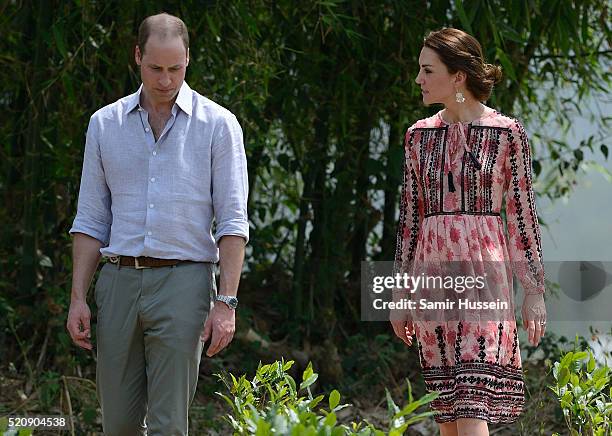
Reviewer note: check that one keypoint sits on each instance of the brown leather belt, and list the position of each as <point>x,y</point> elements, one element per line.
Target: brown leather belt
<point>142,262</point>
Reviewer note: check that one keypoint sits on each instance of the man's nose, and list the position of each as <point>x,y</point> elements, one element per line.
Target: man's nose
<point>165,80</point>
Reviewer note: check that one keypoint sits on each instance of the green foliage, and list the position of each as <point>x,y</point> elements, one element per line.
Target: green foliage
<point>584,392</point>
<point>271,403</point>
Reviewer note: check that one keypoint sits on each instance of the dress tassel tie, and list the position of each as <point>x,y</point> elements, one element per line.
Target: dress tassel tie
<point>451,185</point>
<point>458,138</point>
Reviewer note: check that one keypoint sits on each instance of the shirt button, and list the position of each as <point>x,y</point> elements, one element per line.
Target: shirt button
<point>152,179</point>
<point>149,233</point>
<point>151,206</point>
<point>154,153</point>
<point>147,130</point>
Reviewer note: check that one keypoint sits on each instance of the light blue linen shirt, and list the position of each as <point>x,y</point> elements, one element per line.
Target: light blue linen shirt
<point>142,197</point>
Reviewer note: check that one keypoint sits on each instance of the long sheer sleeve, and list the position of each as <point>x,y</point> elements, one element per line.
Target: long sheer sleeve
<point>411,209</point>
<point>524,242</point>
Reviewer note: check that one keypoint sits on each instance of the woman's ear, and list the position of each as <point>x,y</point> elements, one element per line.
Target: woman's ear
<point>460,78</point>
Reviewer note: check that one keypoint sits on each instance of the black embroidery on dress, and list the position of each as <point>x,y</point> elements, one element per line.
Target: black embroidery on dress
<point>441,345</point>
<point>477,173</point>
<point>462,212</point>
<point>431,144</point>
<point>463,184</point>
<point>458,343</point>
<point>517,196</point>
<point>500,327</point>
<point>481,346</point>
<point>514,345</point>
<point>502,385</point>
<point>409,177</point>
<point>535,271</point>
<point>441,203</point>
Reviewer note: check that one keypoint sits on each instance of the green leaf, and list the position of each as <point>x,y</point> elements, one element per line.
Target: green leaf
<point>465,22</point>
<point>263,428</point>
<point>338,431</point>
<point>315,401</point>
<point>564,376</point>
<point>579,155</point>
<point>309,381</point>
<point>537,167</point>
<point>391,406</point>
<point>59,41</point>
<point>601,383</point>
<point>330,419</point>
<point>575,381</point>
<point>410,397</point>
<point>334,399</point>
<point>565,361</point>
<point>591,363</point>
<point>566,400</point>
<point>308,372</point>
<point>506,63</point>
<point>291,383</point>
<point>398,431</point>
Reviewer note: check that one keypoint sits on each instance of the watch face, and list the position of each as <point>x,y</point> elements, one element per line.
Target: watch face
<point>232,302</point>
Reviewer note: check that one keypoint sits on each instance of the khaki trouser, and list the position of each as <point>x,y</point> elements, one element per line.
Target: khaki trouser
<point>148,345</point>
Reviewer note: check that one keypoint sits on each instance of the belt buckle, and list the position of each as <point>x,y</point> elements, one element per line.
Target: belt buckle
<point>137,265</point>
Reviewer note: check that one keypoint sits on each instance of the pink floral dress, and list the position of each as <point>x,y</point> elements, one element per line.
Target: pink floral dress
<point>456,177</point>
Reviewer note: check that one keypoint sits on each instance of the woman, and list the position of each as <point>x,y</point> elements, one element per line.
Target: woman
<point>461,164</point>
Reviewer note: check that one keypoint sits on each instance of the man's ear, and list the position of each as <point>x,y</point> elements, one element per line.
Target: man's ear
<point>137,56</point>
<point>187,63</point>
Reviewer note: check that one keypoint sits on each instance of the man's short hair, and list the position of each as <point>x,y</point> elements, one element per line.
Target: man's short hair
<point>164,26</point>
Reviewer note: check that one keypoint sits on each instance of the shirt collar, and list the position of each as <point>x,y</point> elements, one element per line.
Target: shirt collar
<point>183,99</point>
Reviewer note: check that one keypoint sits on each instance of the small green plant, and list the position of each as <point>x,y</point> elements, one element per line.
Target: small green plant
<point>584,392</point>
<point>271,403</point>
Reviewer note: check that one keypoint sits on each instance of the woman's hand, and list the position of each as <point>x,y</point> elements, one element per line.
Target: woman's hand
<point>534,317</point>
<point>404,330</point>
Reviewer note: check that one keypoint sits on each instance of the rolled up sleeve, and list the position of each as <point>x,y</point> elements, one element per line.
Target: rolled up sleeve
<point>94,216</point>
<point>230,181</point>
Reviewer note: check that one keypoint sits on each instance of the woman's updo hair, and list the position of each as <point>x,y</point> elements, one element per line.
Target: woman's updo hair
<point>460,51</point>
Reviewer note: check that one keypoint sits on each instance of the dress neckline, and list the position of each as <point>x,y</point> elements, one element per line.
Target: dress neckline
<point>485,114</point>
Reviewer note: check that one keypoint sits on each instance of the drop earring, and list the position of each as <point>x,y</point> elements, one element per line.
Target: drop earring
<point>459,97</point>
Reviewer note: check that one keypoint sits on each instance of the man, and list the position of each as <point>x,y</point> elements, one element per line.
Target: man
<point>159,165</point>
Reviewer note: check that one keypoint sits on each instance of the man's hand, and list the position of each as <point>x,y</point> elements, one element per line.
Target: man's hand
<point>403,330</point>
<point>78,323</point>
<point>221,325</point>
<point>534,317</point>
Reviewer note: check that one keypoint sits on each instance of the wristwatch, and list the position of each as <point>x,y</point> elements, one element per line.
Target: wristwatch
<point>232,302</point>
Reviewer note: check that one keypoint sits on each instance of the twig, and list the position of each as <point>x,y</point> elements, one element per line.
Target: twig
<point>43,349</point>
<point>23,403</point>
<point>67,392</point>
<point>80,379</point>
<point>22,349</point>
